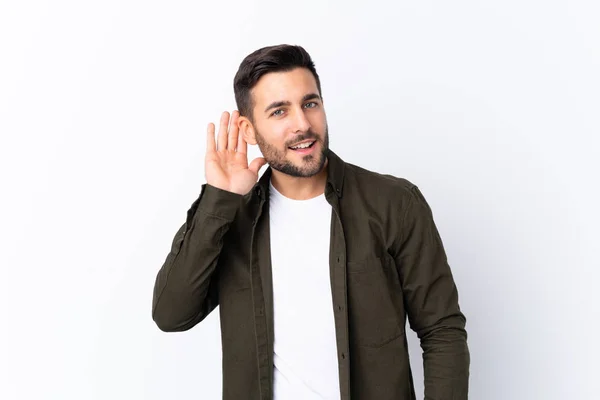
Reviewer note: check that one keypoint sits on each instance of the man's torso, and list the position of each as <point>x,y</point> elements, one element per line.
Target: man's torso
<point>367,304</point>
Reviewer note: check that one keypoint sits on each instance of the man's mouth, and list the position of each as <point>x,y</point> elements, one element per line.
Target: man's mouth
<point>303,145</point>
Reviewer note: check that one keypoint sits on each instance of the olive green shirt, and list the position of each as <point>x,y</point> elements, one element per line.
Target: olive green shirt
<point>387,263</point>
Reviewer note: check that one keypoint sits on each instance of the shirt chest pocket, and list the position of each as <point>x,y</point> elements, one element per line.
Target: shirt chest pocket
<point>373,316</point>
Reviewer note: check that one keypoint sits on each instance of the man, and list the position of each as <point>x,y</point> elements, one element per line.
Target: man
<point>317,265</point>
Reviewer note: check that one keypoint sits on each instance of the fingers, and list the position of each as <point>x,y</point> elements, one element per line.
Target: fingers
<point>242,146</point>
<point>232,143</point>
<point>257,164</point>
<point>211,145</point>
<point>223,128</point>
<point>229,137</point>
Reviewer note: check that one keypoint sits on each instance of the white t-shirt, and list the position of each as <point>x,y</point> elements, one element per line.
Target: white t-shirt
<point>306,365</point>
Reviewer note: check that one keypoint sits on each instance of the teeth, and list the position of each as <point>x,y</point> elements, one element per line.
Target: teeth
<point>302,146</point>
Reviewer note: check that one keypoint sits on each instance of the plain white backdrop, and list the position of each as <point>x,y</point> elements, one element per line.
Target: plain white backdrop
<point>492,108</point>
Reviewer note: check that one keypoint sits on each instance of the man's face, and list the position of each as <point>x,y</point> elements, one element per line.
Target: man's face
<point>290,126</point>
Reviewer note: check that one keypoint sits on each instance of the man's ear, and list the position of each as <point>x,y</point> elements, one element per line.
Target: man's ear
<point>247,130</point>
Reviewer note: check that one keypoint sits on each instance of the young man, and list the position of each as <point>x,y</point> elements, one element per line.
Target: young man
<point>317,265</point>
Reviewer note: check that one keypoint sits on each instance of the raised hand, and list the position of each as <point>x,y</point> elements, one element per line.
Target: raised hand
<point>226,163</point>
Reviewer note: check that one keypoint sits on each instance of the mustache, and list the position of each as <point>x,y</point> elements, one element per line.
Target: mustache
<point>310,134</point>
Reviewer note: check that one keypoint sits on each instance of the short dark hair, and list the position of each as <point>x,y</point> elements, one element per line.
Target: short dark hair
<point>280,58</point>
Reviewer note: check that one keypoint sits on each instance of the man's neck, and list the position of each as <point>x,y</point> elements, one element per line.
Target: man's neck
<point>300,188</point>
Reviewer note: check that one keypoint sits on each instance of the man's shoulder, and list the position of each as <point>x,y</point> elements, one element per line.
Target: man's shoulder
<point>386,193</point>
<point>384,184</point>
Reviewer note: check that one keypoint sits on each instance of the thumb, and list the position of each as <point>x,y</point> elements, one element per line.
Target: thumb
<point>257,164</point>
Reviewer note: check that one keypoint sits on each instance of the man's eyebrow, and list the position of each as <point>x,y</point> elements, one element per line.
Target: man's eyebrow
<point>277,104</point>
<point>311,96</point>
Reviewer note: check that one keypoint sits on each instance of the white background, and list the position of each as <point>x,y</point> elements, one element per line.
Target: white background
<point>491,107</point>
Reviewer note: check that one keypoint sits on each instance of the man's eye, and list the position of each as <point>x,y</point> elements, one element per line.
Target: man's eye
<point>277,113</point>
<point>311,104</point>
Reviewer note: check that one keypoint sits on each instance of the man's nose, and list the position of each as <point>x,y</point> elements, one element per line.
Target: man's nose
<point>301,123</point>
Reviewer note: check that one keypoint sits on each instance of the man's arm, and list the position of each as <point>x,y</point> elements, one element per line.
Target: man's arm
<point>185,291</point>
<point>431,300</point>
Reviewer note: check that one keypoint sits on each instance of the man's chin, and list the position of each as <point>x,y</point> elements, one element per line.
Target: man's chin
<point>309,167</point>
<point>299,169</point>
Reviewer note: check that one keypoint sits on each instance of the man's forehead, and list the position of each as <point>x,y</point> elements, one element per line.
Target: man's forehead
<point>289,85</point>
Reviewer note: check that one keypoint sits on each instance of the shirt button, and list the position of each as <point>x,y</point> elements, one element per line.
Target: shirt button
<point>343,356</point>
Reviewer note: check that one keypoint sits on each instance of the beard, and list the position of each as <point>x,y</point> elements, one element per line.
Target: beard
<point>310,165</point>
